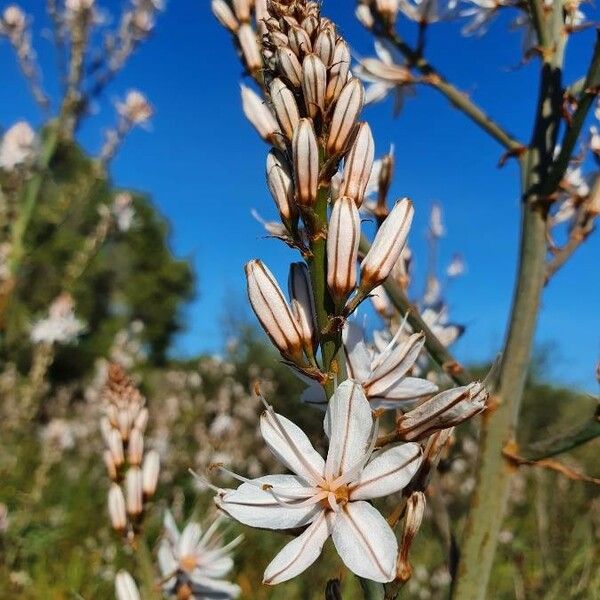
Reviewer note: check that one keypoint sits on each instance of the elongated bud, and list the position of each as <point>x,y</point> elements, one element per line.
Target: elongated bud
<point>141,420</point>
<point>306,162</point>
<point>272,309</point>
<point>436,224</point>
<point>387,246</point>
<point>116,508</point>
<point>446,409</point>
<point>388,9</point>
<point>310,25</point>
<point>338,73</point>
<point>347,109</point>
<point>125,588</point>
<point>365,16</point>
<point>124,423</point>
<point>415,507</point>
<point>133,491</point>
<point>386,174</point>
<point>242,9</point>
<point>303,307</point>
<point>299,41</point>
<point>250,48</point>
<point>358,165</point>
<point>115,446</point>
<point>325,45</point>
<point>281,186</point>
<point>259,114</point>
<point>286,109</point>
<point>342,248</point>
<point>381,302</point>
<point>150,472</point>
<point>135,447</point>
<point>111,468</point>
<point>314,83</point>
<point>224,15</point>
<point>289,66</point>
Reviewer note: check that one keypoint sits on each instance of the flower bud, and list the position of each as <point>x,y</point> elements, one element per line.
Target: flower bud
<point>250,48</point>
<point>286,109</point>
<point>347,109</point>
<point>306,162</point>
<point>111,468</point>
<point>436,225</point>
<point>115,446</point>
<point>415,507</point>
<point>387,246</point>
<point>342,248</point>
<point>310,25</point>
<point>365,16</point>
<point>133,491</point>
<point>116,508</point>
<point>141,420</point>
<point>358,165</point>
<point>325,45</point>
<point>125,588</point>
<point>150,472</point>
<point>314,83</point>
<point>281,186</point>
<point>242,9</point>
<point>135,447</point>
<point>338,73</point>
<point>299,41</point>
<point>290,67</point>
<point>386,174</point>
<point>303,307</point>
<point>124,423</point>
<point>388,9</point>
<point>272,310</point>
<point>224,15</point>
<point>259,114</point>
<point>444,410</point>
<point>381,302</point>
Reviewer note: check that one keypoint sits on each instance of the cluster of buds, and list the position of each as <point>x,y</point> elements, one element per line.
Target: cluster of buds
<point>134,472</point>
<point>244,19</point>
<point>19,146</point>
<point>311,117</point>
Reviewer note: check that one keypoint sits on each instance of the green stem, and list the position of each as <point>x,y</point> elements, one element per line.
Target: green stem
<point>489,499</point>
<point>371,589</point>
<point>146,571</point>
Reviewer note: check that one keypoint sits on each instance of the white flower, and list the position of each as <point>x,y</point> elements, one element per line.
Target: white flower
<point>125,587</point>
<point>61,326</point>
<point>19,145</point>
<point>198,561</point>
<point>456,267</point>
<point>330,496</point>
<point>428,11</point>
<point>135,108</point>
<point>480,13</point>
<point>384,75</point>
<point>123,211</point>
<point>436,318</point>
<point>383,373</point>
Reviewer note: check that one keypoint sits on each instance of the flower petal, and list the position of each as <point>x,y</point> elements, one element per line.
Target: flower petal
<point>253,506</point>
<point>348,424</point>
<point>167,563</point>
<point>408,388</point>
<point>365,542</point>
<point>299,554</point>
<point>291,446</point>
<point>206,587</point>
<point>190,537</point>
<point>358,359</point>
<point>170,527</point>
<point>387,472</point>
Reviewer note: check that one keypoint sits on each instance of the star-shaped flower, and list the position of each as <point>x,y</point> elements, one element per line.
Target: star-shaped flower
<point>328,496</point>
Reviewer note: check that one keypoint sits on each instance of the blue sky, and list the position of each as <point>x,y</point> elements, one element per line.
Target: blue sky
<point>204,167</point>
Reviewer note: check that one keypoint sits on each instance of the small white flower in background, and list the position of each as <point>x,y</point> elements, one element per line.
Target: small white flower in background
<point>436,224</point>
<point>330,496</point>
<point>13,21</point>
<point>428,11</point>
<point>275,228</point>
<point>436,318</point>
<point>457,266</point>
<point>384,75</point>
<point>19,146</point>
<point>195,561</point>
<point>60,433</point>
<point>125,587</point>
<point>433,291</point>
<point>594,141</point>
<point>136,109</point>
<point>78,6</point>
<point>60,326</point>
<point>123,211</point>
<point>480,13</point>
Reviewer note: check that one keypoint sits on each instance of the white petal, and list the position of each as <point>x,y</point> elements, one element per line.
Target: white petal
<point>171,530</point>
<point>365,542</point>
<point>167,563</point>
<point>188,542</point>
<point>253,506</point>
<point>408,388</point>
<point>214,568</point>
<point>293,449</point>
<point>357,354</point>
<point>395,365</point>
<point>205,587</point>
<point>376,92</point>
<point>388,471</point>
<point>349,424</point>
<point>299,554</point>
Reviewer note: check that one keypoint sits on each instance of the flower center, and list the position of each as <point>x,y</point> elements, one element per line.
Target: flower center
<point>341,495</point>
<point>188,562</point>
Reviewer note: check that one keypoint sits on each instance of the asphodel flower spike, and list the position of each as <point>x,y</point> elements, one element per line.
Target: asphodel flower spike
<point>343,238</point>
<point>306,162</point>
<point>303,306</point>
<point>273,311</point>
<point>347,109</point>
<point>328,496</point>
<point>387,246</point>
<point>358,165</point>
